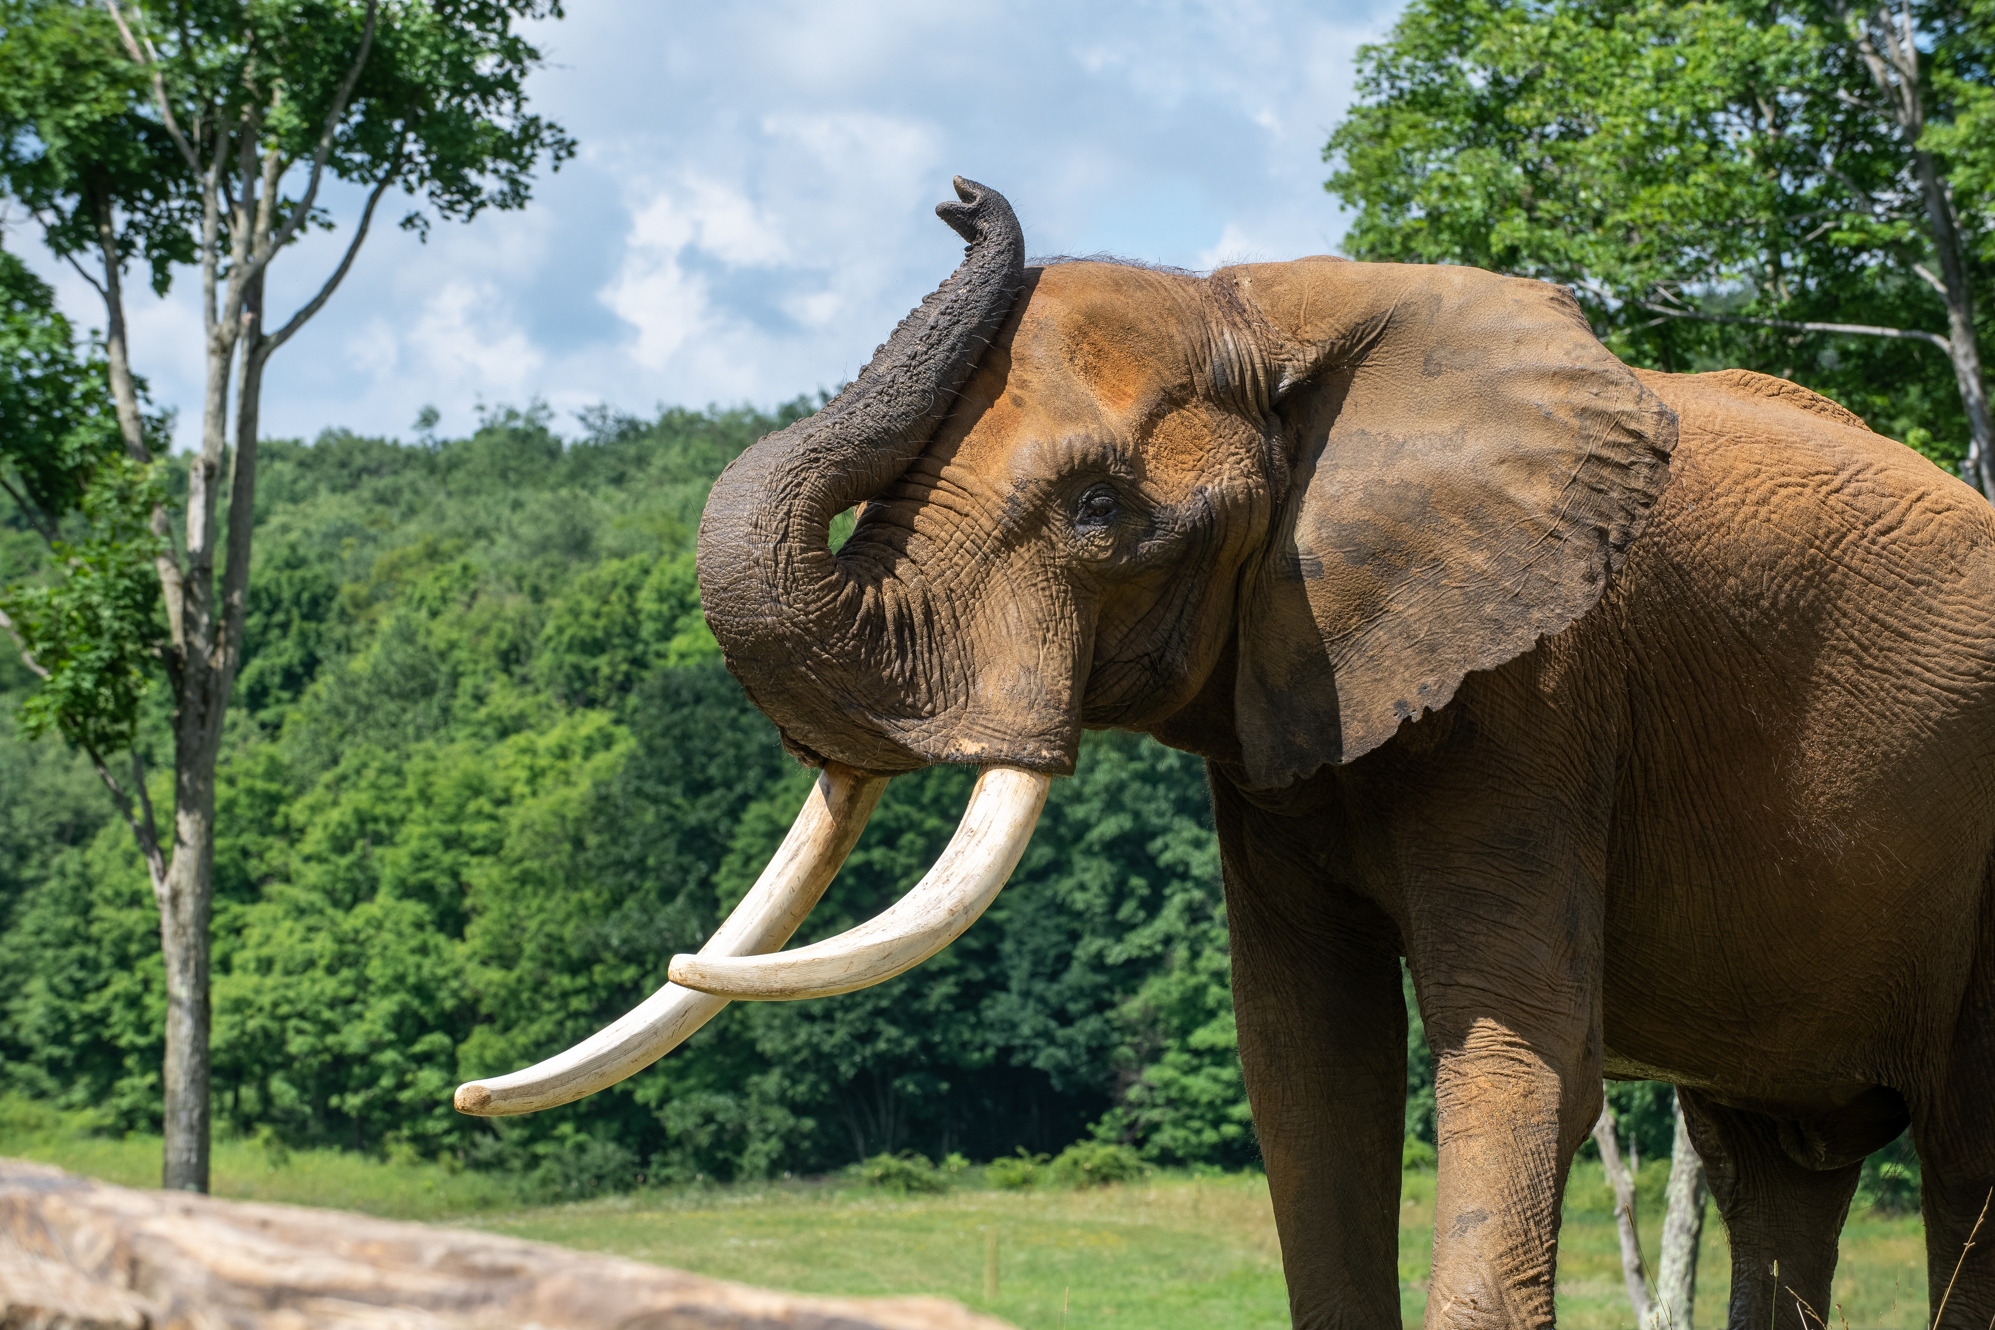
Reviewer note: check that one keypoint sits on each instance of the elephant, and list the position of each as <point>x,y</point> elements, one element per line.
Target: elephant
<point>1650,718</point>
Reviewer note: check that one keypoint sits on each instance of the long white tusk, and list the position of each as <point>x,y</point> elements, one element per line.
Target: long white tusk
<point>994,831</point>
<point>810,856</point>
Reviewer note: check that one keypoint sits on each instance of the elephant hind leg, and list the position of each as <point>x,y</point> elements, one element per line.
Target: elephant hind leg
<point>1955,1196</point>
<point>1784,1189</point>
<point>1955,1134</point>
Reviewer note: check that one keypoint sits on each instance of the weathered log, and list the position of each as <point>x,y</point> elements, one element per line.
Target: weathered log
<point>82,1255</point>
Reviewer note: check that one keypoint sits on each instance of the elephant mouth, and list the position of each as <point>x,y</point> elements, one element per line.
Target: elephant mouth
<point>742,961</point>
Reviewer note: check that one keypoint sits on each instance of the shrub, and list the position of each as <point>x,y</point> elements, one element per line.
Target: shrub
<point>1890,1179</point>
<point>21,1117</point>
<point>580,1167</point>
<point>1015,1174</point>
<point>1096,1164</point>
<point>906,1173</point>
<point>1417,1156</point>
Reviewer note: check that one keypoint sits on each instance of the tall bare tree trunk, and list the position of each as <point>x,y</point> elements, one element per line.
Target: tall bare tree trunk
<point>183,936</point>
<point>1683,1233</point>
<point>1623,1182</point>
<point>1889,46</point>
<point>1962,349</point>
<point>213,635</point>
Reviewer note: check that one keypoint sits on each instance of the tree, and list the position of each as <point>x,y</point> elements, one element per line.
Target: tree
<point>1669,1302</point>
<point>204,131</point>
<point>1810,181</point>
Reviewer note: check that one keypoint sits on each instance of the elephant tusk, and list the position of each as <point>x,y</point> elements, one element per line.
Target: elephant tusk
<point>822,836</point>
<point>997,825</point>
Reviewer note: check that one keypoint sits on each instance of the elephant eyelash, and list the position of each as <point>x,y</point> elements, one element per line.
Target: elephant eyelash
<point>1097,509</point>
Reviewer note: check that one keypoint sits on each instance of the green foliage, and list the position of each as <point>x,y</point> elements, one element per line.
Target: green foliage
<point>580,1167</point>
<point>1095,1164</point>
<point>1889,1184</point>
<point>80,144</point>
<point>1727,156</point>
<point>439,109</point>
<point>83,608</point>
<point>904,1174</point>
<point>53,398</point>
<point>94,630</point>
<point>1420,1105</point>
<point>1645,1117</point>
<point>1016,1172</point>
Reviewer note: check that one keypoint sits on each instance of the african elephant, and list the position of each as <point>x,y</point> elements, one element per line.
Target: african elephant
<point>1649,717</point>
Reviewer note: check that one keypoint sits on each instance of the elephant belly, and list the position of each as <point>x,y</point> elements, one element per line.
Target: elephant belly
<point>1764,966</point>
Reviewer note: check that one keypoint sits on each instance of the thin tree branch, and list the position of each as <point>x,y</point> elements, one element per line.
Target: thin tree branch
<point>312,306</point>
<point>148,58</point>
<point>1853,188</point>
<point>27,656</point>
<point>47,531</point>
<point>1853,329</point>
<point>324,150</point>
<point>81,271</point>
<point>1930,279</point>
<point>145,799</point>
<point>211,228</point>
<point>143,828</point>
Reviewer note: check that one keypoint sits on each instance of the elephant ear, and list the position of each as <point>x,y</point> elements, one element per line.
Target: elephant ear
<point>1467,467</point>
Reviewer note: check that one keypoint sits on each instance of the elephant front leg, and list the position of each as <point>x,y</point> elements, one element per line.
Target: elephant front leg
<point>1322,1028</point>
<point>1517,1088</point>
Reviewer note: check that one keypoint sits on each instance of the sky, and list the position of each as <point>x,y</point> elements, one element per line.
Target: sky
<point>751,209</point>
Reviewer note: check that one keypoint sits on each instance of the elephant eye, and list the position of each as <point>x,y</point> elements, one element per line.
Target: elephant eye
<point>1097,508</point>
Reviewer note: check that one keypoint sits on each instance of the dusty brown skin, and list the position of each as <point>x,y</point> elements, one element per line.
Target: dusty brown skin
<point>1651,718</point>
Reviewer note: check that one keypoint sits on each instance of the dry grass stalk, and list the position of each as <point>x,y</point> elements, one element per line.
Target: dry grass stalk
<point>1966,1247</point>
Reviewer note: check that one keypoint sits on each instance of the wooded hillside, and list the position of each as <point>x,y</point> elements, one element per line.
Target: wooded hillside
<point>486,774</point>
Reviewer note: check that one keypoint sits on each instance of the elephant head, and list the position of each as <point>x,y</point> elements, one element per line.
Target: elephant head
<point>1271,514</point>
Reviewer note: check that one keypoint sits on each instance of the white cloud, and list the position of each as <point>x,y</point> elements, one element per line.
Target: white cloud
<point>1233,246</point>
<point>815,310</point>
<point>466,335</point>
<point>652,292</point>
<point>375,349</point>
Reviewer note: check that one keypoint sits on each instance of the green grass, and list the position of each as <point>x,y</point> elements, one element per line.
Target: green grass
<point>1174,1252</point>
<point>247,1171</point>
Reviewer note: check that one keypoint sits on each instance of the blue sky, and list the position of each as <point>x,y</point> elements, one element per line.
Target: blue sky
<point>751,210</point>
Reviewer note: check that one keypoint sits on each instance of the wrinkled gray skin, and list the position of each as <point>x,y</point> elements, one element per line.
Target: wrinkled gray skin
<point>1651,718</point>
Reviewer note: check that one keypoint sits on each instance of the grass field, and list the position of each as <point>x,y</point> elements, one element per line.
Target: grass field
<point>1172,1253</point>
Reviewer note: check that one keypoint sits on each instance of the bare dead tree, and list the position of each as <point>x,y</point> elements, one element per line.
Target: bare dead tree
<point>1683,1234</point>
<point>1622,1180</point>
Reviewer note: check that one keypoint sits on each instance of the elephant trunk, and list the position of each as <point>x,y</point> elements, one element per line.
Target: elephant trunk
<point>806,637</point>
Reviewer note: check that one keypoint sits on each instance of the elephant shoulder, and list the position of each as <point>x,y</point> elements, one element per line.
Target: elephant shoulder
<point>1774,478</point>
<point>1747,384</point>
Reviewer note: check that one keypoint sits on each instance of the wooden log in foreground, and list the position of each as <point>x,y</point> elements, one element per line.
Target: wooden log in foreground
<point>82,1255</point>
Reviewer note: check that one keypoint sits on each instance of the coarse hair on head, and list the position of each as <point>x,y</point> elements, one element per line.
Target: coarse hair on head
<point>1054,260</point>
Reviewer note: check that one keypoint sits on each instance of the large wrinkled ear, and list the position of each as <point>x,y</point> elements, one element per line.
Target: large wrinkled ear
<point>1468,466</point>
